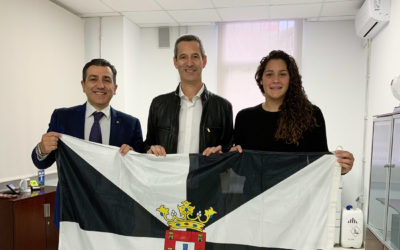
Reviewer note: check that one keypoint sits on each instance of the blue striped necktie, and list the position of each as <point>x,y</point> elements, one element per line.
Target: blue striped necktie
<point>95,132</point>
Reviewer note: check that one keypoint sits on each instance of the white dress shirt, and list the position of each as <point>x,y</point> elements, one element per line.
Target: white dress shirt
<point>105,122</point>
<point>105,127</point>
<point>189,123</point>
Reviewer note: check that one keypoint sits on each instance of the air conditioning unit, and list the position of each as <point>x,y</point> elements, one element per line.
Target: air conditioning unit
<point>372,17</point>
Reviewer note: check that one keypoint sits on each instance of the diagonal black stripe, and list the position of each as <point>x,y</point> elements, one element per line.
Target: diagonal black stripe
<point>91,200</point>
<point>227,181</point>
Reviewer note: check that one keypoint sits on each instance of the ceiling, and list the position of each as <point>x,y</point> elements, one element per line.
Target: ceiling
<point>156,13</point>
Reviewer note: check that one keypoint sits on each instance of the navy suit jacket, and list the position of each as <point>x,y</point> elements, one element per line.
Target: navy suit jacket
<point>125,129</point>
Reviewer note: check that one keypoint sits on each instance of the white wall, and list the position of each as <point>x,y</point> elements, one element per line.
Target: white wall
<point>42,53</point>
<point>157,73</point>
<point>92,32</point>
<point>117,40</point>
<point>132,47</point>
<point>385,54</point>
<point>334,69</point>
<point>112,49</point>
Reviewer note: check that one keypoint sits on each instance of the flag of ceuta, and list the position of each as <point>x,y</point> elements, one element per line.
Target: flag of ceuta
<point>250,200</point>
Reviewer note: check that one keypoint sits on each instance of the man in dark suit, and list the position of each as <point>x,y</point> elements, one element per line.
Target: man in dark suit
<point>95,120</point>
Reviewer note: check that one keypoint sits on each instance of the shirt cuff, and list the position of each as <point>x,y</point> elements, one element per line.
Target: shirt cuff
<point>39,154</point>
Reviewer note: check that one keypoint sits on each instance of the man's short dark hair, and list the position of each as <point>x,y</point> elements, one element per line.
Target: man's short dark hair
<point>99,62</point>
<point>188,38</point>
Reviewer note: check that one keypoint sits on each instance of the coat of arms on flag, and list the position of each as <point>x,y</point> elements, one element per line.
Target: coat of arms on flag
<point>175,239</point>
<point>257,200</point>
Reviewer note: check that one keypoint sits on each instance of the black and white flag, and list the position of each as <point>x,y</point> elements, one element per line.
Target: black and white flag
<point>263,200</point>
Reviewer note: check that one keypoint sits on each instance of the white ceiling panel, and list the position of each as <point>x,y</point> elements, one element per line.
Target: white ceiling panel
<point>185,5</point>
<point>132,5</point>
<point>197,24</point>
<point>360,1</point>
<point>150,13</point>
<point>238,3</point>
<point>329,18</point>
<point>153,25</point>
<point>340,8</point>
<point>87,6</point>
<point>195,16</point>
<point>150,17</point>
<point>100,14</point>
<point>296,2</point>
<point>244,13</point>
<point>294,11</point>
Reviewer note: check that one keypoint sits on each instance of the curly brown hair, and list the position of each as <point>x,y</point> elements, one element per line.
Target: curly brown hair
<point>296,111</point>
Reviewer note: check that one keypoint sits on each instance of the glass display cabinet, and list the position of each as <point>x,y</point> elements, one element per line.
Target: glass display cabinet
<point>383,223</point>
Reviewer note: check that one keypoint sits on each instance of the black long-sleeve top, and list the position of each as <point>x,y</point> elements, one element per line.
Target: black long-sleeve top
<point>255,129</point>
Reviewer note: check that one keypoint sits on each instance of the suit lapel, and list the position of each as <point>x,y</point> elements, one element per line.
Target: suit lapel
<point>115,123</point>
<point>79,122</point>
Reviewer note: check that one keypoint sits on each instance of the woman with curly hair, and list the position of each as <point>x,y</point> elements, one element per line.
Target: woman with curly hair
<point>287,121</point>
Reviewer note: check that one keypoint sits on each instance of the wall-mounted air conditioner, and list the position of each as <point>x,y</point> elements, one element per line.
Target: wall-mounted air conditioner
<point>372,17</point>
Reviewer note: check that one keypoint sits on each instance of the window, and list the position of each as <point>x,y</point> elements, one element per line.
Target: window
<point>241,47</point>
